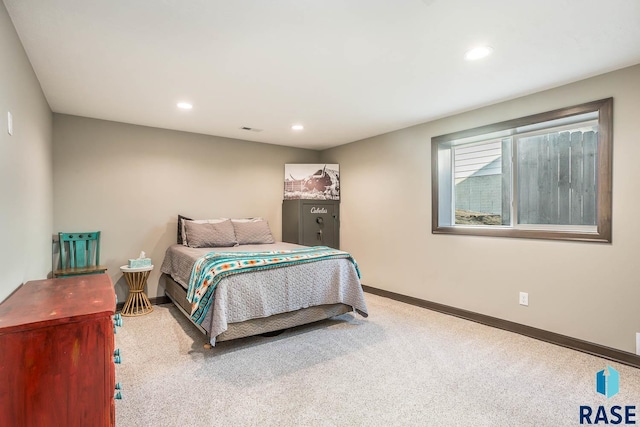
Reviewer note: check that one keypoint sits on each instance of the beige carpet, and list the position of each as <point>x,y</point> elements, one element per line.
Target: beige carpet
<point>402,366</point>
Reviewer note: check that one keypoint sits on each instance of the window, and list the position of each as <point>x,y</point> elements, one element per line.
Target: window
<point>545,176</point>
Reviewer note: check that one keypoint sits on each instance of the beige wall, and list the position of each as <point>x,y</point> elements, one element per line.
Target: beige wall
<point>589,291</point>
<point>26,191</point>
<point>131,182</point>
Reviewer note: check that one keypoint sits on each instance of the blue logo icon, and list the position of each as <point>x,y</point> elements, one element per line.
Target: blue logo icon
<point>608,382</point>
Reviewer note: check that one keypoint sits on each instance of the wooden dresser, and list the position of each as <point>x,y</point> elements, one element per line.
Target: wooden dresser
<point>57,353</point>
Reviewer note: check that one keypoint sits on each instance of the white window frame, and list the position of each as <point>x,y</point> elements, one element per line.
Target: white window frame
<point>442,176</point>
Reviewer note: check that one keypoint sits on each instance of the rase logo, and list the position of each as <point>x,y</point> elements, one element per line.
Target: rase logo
<point>608,384</point>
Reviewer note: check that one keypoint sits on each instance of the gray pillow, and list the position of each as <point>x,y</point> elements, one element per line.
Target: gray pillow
<point>182,235</point>
<point>250,232</point>
<point>210,235</point>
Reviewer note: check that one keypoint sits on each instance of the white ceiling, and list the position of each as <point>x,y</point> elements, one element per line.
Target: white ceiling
<point>345,69</point>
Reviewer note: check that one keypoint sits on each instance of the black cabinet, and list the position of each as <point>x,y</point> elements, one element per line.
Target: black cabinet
<point>311,222</point>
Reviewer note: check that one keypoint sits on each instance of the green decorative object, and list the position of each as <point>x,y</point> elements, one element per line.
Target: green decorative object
<point>141,261</point>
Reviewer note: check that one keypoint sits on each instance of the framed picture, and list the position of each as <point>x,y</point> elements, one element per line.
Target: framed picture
<point>311,181</point>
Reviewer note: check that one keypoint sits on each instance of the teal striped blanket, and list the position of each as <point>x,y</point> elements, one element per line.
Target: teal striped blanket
<point>214,266</point>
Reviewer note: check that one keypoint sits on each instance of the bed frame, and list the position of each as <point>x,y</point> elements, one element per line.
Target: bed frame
<point>178,295</point>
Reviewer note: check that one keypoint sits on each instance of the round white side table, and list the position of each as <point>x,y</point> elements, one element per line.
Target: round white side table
<point>137,302</point>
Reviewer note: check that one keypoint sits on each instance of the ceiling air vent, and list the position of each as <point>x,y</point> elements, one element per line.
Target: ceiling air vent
<point>251,129</point>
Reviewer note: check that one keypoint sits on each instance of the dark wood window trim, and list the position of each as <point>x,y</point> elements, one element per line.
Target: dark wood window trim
<point>604,108</point>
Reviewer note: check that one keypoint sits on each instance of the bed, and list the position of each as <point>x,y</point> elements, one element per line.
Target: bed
<point>261,301</point>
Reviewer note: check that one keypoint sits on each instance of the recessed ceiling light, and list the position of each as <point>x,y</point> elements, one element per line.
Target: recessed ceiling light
<point>478,53</point>
<point>185,106</point>
<point>297,127</point>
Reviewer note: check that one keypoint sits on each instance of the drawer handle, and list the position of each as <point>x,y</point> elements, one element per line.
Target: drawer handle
<point>117,319</point>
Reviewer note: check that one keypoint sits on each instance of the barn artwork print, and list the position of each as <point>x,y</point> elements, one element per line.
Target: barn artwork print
<point>311,181</point>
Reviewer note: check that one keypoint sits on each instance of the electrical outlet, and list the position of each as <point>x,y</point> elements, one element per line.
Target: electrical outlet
<point>638,343</point>
<point>524,298</point>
